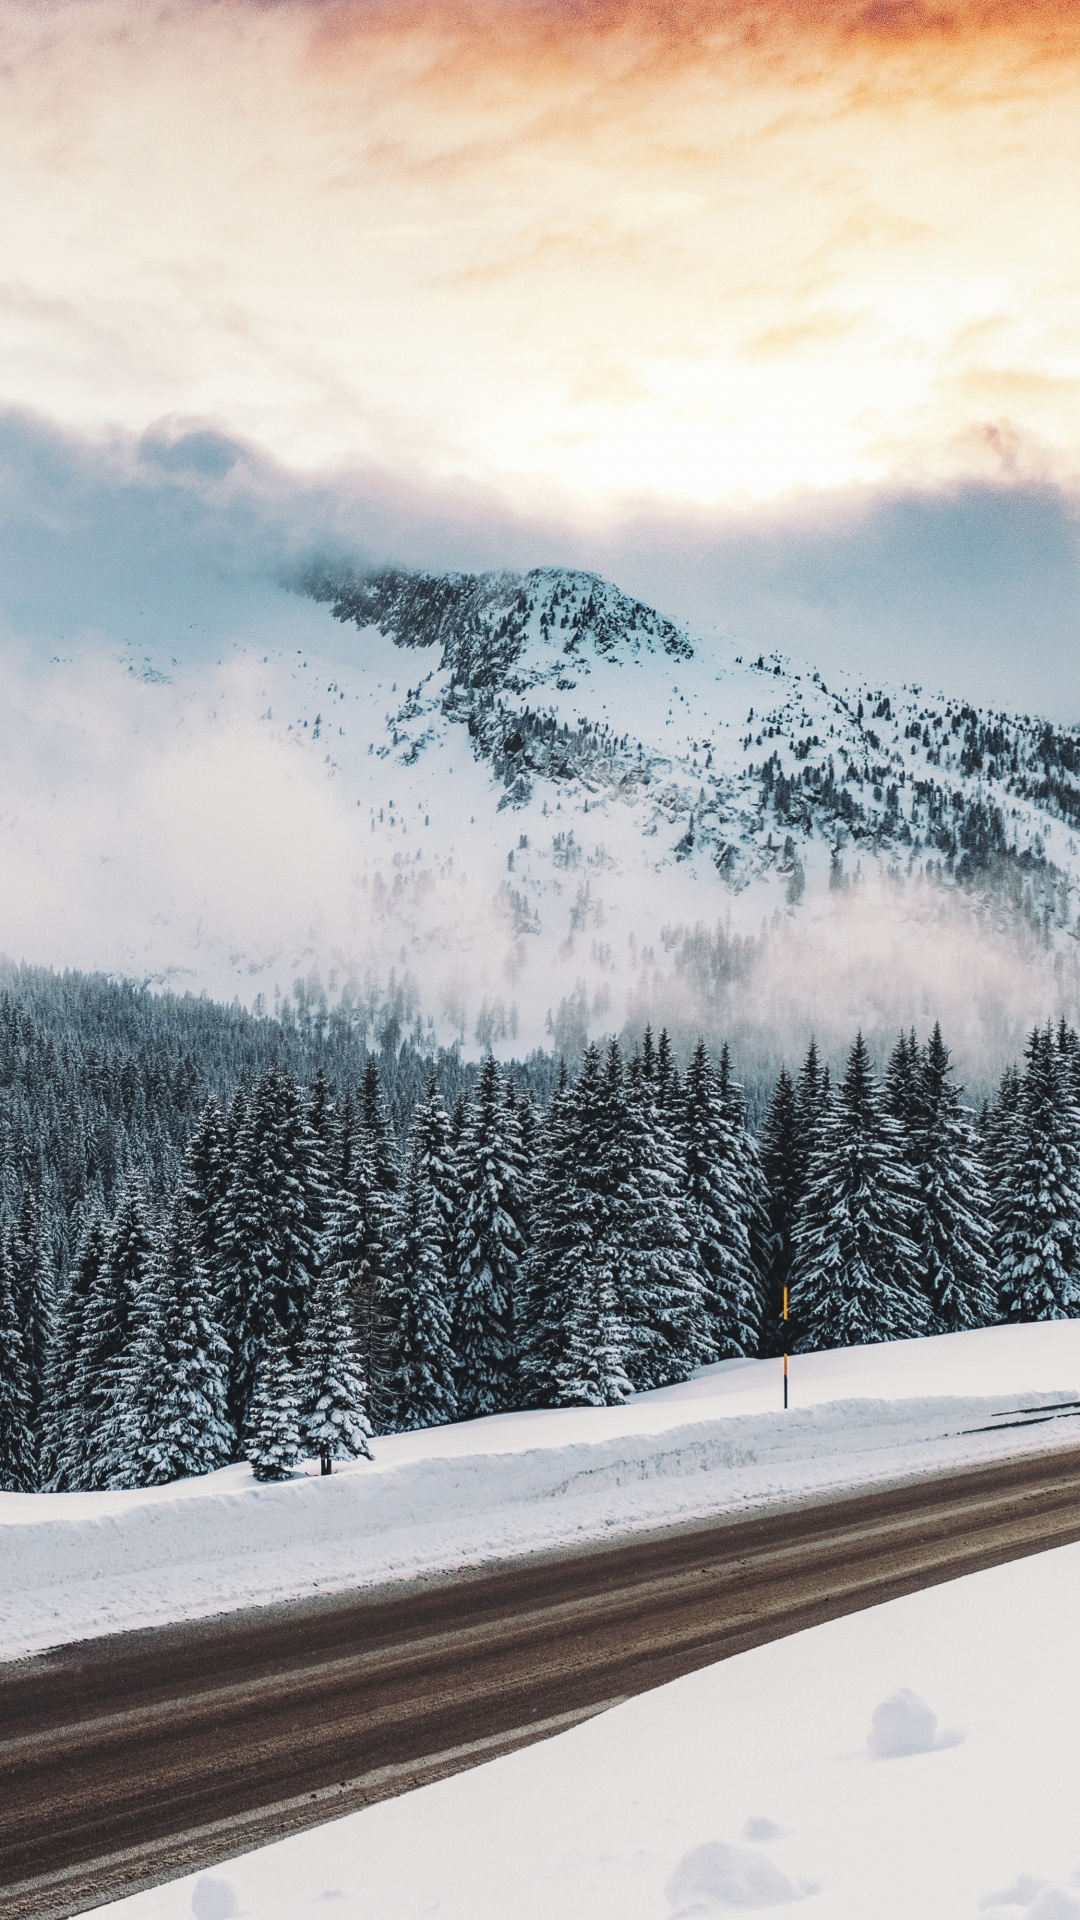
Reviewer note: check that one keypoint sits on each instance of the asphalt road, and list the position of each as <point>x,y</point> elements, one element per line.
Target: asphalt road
<point>129,1759</point>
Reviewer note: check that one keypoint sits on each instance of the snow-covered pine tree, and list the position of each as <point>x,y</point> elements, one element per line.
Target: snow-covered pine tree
<point>356,1249</point>
<point>783,1171</point>
<point>811,1102</point>
<point>179,1425</point>
<point>205,1184</point>
<point>662,1298</point>
<point>902,1088</point>
<point>33,1291</point>
<point>951,1224</point>
<point>323,1116</point>
<point>754,1199</point>
<point>112,1325</point>
<point>571,1216</point>
<point>1037,1206</point>
<point>18,1465</point>
<point>273,1443</point>
<point>420,1385</point>
<point>997,1124</point>
<point>854,1278</point>
<point>270,1239</point>
<point>489,1251</point>
<point>432,1147</point>
<point>591,1370</point>
<point>64,1448</point>
<point>668,1088</point>
<point>331,1387</point>
<point>720,1219</point>
<point>375,1121</point>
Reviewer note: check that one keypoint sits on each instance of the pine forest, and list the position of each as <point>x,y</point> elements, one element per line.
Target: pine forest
<point>226,1236</point>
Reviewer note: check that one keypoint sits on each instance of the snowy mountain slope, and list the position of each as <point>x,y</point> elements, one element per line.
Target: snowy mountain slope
<point>528,806</point>
<point>560,677</point>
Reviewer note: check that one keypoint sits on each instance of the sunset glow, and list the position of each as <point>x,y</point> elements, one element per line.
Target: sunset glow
<point>713,253</point>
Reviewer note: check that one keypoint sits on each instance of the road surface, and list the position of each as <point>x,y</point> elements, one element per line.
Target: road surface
<point>129,1759</point>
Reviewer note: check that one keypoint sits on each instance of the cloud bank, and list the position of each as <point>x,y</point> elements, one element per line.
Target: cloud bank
<point>712,253</point>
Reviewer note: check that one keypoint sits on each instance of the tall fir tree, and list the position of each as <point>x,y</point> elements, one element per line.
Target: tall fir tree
<point>64,1445</point>
<point>356,1249</point>
<point>432,1148</point>
<point>272,1230</point>
<point>421,1387</point>
<point>721,1214</point>
<point>205,1184</point>
<point>331,1389</point>
<point>783,1170</point>
<point>112,1325</point>
<point>18,1466</point>
<point>179,1425</point>
<point>903,1092</point>
<point>662,1297</point>
<point>591,1369</point>
<point>854,1278</point>
<point>811,1103</point>
<point>274,1443</point>
<point>490,1250</point>
<point>1037,1207</point>
<point>571,1218</point>
<point>33,1283</point>
<point>951,1225</point>
<point>375,1121</point>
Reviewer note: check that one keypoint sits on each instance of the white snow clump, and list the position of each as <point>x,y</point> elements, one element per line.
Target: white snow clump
<point>905,1724</point>
<point>716,1877</point>
<point>214,1899</point>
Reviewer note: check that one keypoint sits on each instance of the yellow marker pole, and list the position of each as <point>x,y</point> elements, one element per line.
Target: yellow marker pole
<point>785,1349</point>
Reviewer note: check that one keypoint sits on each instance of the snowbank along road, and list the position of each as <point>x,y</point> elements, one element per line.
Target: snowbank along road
<point>131,1758</point>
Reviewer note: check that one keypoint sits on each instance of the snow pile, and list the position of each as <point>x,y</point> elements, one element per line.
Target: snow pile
<point>80,1564</point>
<point>759,1785</point>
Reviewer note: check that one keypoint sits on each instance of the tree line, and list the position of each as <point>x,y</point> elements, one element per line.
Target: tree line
<point>310,1280</point>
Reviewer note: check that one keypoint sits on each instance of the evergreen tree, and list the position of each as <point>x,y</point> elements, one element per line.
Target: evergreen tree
<point>591,1370</point>
<point>112,1324</point>
<point>490,1250</point>
<point>572,1217</point>
<point>854,1276</point>
<point>753,1195</point>
<point>783,1170</point>
<point>668,1089</point>
<point>431,1146</point>
<point>179,1426</point>
<point>32,1286</point>
<point>274,1444</point>
<point>951,1224</point>
<point>721,1215</point>
<point>270,1240</point>
<point>811,1104</point>
<point>333,1421</point>
<point>662,1298</point>
<point>356,1250</point>
<point>64,1450</point>
<point>205,1183</point>
<point>375,1122</point>
<point>18,1467</point>
<point>1037,1213</point>
<point>903,1091</point>
<point>420,1387</point>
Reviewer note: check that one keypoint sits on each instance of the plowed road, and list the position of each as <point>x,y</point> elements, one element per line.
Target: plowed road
<point>128,1759</point>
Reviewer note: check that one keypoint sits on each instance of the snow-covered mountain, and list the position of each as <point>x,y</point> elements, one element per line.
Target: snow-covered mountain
<point>573,693</point>
<point>524,807</point>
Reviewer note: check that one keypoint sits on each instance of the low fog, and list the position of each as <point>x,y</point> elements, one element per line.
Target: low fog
<point>160,818</point>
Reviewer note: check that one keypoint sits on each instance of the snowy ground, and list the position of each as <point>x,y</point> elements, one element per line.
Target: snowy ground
<point>778,1777</point>
<point>82,1564</point>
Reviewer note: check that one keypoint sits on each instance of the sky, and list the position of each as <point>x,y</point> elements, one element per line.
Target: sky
<point>772,311</point>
